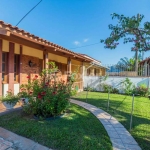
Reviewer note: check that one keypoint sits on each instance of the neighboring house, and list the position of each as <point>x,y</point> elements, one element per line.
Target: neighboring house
<point>94,68</point>
<point>144,67</point>
<point>23,54</point>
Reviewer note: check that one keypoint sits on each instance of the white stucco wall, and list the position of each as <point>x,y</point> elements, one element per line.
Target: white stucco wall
<point>4,89</point>
<point>94,82</point>
<point>16,89</point>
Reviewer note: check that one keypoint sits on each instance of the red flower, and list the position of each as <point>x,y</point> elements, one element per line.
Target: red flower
<point>36,76</point>
<point>43,93</point>
<point>39,96</point>
<point>46,84</point>
<point>30,92</point>
<point>54,93</point>
<point>28,77</point>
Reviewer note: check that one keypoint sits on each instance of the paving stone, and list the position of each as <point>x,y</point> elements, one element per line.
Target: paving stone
<point>104,122</point>
<point>117,143</point>
<point>10,149</point>
<point>3,146</point>
<point>122,131</point>
<point>8,143</point>
<point>132,147</point>
<point>113,134</point>
<point>127,139</point>
<point>109,127</point>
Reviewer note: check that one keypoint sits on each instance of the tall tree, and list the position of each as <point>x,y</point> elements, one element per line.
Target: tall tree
<point>131,30</point>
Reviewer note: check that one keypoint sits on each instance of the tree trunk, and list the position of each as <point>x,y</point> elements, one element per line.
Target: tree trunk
<point>136,61</point>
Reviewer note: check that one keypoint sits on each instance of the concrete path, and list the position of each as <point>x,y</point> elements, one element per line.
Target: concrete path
<point>121,139</point>
<point>12,141</point>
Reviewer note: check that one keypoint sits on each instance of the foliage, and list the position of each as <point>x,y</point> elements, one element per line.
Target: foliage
<point>51,92</point>
<point>131,30</point>
<point>127,86</point>
<point>129,26</point>
<point>115,91</point>
<point>10,98</point>
<point>107,88</point>
<point>141,90</point>
<point>127,64</point>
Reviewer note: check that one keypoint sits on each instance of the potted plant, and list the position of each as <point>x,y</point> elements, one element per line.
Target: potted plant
<point>10,100</point>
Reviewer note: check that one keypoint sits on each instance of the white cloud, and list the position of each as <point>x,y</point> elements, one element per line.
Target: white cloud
<point>85,40</point>
<point>76,42</point>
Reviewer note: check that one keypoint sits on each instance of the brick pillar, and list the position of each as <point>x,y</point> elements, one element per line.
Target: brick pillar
<point>0,67</point>
<point>11,67</point>
<point>69,66</point>
<point>20,65</point>
<point>45,61</point>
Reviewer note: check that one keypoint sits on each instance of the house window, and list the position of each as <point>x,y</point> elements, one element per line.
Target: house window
<point>88,72</point>
<point>4,67</point>
<point>95,72</point>
<point>16,68</point>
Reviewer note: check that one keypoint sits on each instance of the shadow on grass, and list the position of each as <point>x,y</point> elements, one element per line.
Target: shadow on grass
<point>79,130</point>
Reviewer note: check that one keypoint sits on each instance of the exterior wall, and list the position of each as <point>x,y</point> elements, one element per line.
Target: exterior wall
<point>38,59</point>
<point>57,58</point>
<point>77,66</point>
<point>94,82</point>
<point>4,89</point>
<point>32,52</point>
<point>31,71</point>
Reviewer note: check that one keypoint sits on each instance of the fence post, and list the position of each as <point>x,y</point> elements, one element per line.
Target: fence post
<point>87,92</point>
<point>108,100</point>
<point>132,112</point>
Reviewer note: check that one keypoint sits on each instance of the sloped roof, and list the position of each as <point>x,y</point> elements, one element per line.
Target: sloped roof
<point>28,36</point>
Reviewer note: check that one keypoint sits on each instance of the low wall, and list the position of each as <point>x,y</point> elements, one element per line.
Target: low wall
<point>94,82</point>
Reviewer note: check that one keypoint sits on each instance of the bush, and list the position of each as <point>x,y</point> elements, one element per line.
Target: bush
<point>115,91</point>
<point>52,94</point>
<point>141,90</point>
<point>107,88</point>
<point>10,98</point>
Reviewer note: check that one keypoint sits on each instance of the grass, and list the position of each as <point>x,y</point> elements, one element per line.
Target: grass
<point>79,129</point>
<point>120,108</point>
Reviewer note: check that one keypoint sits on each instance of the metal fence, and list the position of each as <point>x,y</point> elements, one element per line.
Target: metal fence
<point>128,70</point>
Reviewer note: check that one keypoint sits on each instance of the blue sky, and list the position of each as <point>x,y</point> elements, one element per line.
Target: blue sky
<point>75,23</point>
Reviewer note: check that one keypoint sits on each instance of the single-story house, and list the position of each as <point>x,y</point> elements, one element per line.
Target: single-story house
<point>23,54</point>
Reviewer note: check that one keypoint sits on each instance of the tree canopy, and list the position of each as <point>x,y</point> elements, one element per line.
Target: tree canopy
<point>131,30</point>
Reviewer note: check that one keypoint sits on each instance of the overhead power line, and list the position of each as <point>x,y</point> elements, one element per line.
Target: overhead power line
<point>28,12</point>
<point>85,45</point>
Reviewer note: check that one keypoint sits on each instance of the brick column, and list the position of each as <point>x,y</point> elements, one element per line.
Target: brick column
<point>20,65</point>
<point>69,66</point>
<point>11,67</point>
<point>0,67</point>
<point>45,61</point>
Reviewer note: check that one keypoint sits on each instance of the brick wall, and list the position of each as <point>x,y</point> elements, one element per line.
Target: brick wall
<point>35,69</point>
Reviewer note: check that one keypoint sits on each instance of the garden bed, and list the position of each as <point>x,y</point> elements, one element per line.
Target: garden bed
<point>78,129</point>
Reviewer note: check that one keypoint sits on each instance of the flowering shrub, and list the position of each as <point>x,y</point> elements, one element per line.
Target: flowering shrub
<point>10,98</point>
<point>52,93</point>
<point>141,90</point>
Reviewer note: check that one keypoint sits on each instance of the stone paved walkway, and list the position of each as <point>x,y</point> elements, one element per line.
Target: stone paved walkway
<point>121,139</point>
<point>12,141</point>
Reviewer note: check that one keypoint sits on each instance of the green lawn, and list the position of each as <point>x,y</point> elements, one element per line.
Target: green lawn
<point>78,130</point>
<point>120,108</point>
